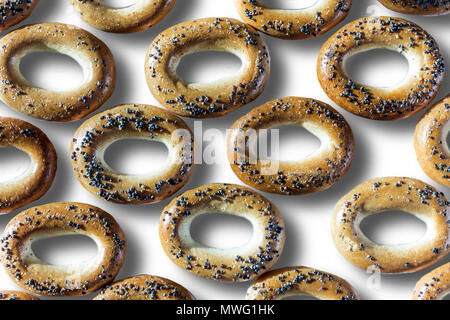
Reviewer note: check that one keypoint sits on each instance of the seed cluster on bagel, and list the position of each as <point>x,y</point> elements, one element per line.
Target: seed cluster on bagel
<point>294,24</point>
<point>289,281</point>
<point>419,7</point>
<point>434,285</point>
<point>144,287</point>
<point>430,142</point>
<point>16,295</point>
<point>14,11</point>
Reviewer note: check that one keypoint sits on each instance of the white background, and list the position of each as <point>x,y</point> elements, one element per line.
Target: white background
<point>382,149</point>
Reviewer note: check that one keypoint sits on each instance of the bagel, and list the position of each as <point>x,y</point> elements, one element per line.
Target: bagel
<point>434,285</point>
<point>15,11</point>
<point>419,7</point>
<point>290,281</point>
<point>134,18</point>
<point>132,121</point>
<point>53,220</point>
<point>392,193</point>
<point>216,98</point>
<point>237,264</point>
<point>304,23</point>
<point>90,52</point>
<point>317,172</point>
<point>38,178</point>
<point>430,142</point>
<point>16,295</point>
<point>415,92</point>
<point>144,287</point>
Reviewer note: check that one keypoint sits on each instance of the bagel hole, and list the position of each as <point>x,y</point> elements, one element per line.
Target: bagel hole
<point>381,68</point>
<point>393,228</point>
<point>13,163</point>
<point>208,66</point>
<point>136,156</point>
<point>289,143</point>
<point>118,4</point>
<point>223,231</point>
<point>446,296</point>
<point>300,297</point>
<point>65,250</point>
<point>51,71</point>
<point>288,4</point>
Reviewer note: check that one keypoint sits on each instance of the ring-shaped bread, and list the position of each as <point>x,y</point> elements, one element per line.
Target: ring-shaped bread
<point>412,94</point>
<point>14,11</point>
<point>90,53</point>
<point>236,264</point>
<point>60,219</point>
<point>16,295</point>
<point>309,22</point>
<point>128,121</point>
<point>212,99</point>
<point>434,285</point>
<point>430,142</point>
<point>144,287</point>
<point>392,193</point>
<point>316,172</point>
<point>38,178</point>
<point>134,18</point>
<point>291,281</point>
<point>418,7</point>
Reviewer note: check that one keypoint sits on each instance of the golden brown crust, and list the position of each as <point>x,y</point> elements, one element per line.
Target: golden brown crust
<point>13,12</point>
<point>132,121</point>
<point>281,283</point>
<point>392,193</point>
<point>236,264</point>
<point>140,16</point>
<point>55,219</point>
<point>144,287</point>
<point>315,173</point>
<point>294,24</point>
<point>430,142</point>
<point>211,99</point>
<point>38,178</point>
<point>434,285</point>
<point>90,52</point>
<point>424,79</point>
<point>16,295</point>
<point>419,7</point>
